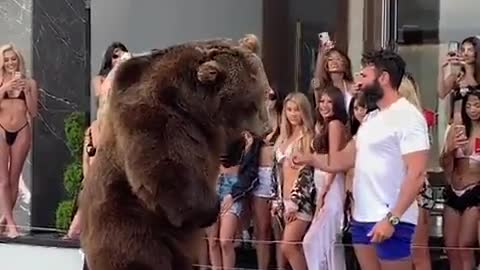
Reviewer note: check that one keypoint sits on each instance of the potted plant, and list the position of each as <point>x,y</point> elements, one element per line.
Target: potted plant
<point>75,125</point>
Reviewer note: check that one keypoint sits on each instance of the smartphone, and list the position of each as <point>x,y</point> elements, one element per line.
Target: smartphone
<point>324,37</point>
<point>17,75</point>
<point>477,145</point>
<point>453,47</point>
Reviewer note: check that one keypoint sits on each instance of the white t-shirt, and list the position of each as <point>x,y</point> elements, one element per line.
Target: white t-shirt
<point>382,139</point>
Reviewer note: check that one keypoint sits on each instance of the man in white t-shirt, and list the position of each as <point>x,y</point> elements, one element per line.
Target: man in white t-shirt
<point>389,156</point>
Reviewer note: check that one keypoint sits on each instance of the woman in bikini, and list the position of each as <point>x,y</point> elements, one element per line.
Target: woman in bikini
<point>461,162</point>
<point>112,56</point>
<point>293,209</point>
<point>464,72</point>
<point>18,107</point>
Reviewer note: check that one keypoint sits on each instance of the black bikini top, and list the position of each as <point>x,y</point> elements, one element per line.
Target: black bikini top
<point>20,96</point>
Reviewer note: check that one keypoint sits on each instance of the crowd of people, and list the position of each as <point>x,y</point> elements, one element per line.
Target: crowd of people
<point>355,162</point>
<point>349,156</point>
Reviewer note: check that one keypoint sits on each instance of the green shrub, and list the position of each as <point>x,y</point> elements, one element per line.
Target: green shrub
<point>64,215</point>
<point>74,133</point>
<point>75,125</point>
<point>72,178</point>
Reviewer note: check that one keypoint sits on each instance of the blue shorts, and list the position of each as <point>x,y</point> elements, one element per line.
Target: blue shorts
<point>395,248</point>
<point>224,188</point>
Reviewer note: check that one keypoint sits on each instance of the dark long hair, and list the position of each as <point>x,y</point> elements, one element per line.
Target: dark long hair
<point>353,123</point>
<point>107,58</point>
<point>476,45</point>
<point>465,119</point>
<point>277,98</point>
<point>325,79</point>
<point>321,142</point>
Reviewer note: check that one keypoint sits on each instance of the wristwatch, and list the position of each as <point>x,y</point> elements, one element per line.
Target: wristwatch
<point>394,220</point>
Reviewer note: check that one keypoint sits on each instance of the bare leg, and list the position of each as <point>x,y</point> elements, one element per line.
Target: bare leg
<point>421,252</point>
<point>75,228</point>
<point>403,264</point>
<point>278,235</point>
<point>18,154</point>
<point>468,231</point>
<point>228,227</point>
<point>262,230</point>
<point>367,257</point>
<point>5,193</point>
<point>214,246</point>
<point>203,255</point>
<point>451,225</point>
<point>292,246</point>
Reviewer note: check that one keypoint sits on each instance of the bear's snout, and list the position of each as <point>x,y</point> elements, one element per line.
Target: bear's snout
<point>211,216</point>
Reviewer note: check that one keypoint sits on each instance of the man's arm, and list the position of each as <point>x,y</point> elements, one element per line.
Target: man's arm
<point>337,161</point>
<point>414,146</point>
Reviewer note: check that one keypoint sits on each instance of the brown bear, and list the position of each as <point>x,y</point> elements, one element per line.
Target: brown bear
<point>170,115</point>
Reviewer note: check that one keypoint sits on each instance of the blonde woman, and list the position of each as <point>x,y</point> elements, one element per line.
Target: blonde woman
<point>420,253</point>
<point>293,208</point>
<point>18,106</point>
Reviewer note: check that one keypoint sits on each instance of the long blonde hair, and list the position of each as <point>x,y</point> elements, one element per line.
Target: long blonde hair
<point>21,62</point>
<point>409,90</point>
<point>286,129</point>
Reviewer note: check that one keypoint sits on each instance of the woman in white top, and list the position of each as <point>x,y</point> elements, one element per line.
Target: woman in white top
<point>320,241</point>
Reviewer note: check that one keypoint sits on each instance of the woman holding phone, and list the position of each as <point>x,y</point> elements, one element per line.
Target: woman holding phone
<point>461,161</point>
<point>464,63</point>
<point>333,68</point>
<point>18,106</point>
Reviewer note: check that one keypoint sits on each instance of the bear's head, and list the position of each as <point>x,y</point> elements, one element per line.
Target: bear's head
<point>217,87</point>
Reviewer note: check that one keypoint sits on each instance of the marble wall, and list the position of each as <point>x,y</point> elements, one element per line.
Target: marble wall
<point>15,27</point>
<point>60,65</point>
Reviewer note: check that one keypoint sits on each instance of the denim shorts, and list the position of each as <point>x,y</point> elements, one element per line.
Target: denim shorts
<point>264,187</point>
<point>395,248</point>
<point>224,188</point>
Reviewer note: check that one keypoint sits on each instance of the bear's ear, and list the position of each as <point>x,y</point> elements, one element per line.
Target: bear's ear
<point>131,71</point>
<point>209,72</point>
<point>250,42</point>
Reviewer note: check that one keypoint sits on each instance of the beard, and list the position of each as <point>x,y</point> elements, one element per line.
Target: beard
<point>372,94</point>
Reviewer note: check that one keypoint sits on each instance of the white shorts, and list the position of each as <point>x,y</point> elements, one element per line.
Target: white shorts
<point>264,187</point>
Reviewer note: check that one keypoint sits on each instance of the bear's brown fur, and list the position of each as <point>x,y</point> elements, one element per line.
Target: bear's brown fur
<point>151,188</point>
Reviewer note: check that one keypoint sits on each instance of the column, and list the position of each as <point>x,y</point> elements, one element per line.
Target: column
<point>60,62</point>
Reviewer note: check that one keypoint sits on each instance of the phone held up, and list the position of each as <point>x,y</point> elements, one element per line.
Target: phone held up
<point>324,38</point>
<point>453,48</point>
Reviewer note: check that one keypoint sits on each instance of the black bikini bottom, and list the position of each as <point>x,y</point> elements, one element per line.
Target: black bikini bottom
<point>10,136</point>
<point>469,198</point>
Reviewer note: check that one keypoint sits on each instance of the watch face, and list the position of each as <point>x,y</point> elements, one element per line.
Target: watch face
<point>394,220</point>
